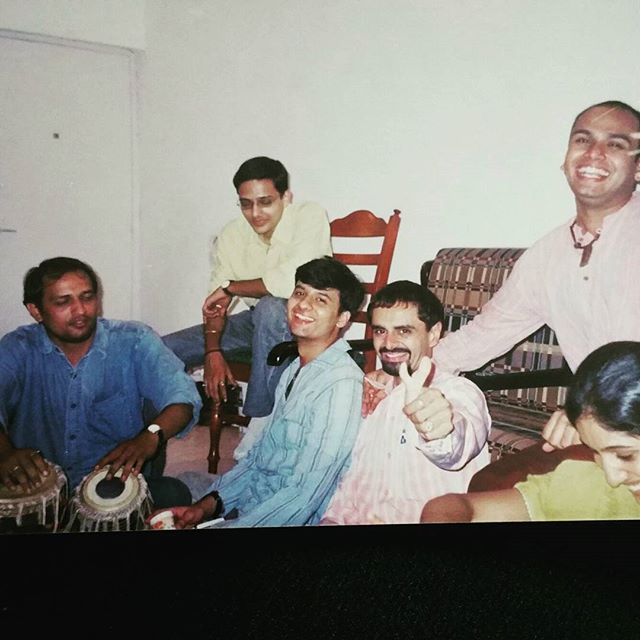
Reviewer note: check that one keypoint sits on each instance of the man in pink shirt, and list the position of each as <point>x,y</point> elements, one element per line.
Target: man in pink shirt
<point>428,432</point>
<point>582,278</point>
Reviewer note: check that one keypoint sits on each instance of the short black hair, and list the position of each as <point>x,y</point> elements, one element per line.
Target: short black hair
<point>329,273</point>
<point>606,386</point>
<point>49,271</point>
<point>262,168</point>
<point>430,309</point>
<point>611,104</point>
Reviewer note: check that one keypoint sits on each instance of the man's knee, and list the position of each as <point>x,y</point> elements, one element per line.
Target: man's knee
<point>270,310</point>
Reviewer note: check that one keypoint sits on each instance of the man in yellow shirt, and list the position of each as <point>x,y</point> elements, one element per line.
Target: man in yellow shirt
<point>255,258</point>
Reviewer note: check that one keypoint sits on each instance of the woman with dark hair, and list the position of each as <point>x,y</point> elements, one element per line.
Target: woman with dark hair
<point>603,403</point>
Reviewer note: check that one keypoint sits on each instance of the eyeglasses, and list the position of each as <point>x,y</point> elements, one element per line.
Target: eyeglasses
<point>262,203</point>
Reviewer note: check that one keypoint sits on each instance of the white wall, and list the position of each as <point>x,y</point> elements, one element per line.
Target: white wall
<point>114,22</point>
<point>456,112</point>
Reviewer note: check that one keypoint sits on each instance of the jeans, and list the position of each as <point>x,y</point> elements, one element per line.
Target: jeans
<point>255,332</point>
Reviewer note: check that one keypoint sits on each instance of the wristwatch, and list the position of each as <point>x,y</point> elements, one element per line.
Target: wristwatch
<point>155,428</point>
<point>225,287</point>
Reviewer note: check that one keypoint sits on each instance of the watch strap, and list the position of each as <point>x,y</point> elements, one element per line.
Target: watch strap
<point>219,504</point>
<point>156,429</point>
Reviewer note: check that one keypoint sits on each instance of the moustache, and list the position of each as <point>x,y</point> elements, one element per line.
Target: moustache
<point>397,350</point>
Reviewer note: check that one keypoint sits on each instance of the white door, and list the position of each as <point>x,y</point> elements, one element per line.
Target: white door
<point>66,168</point>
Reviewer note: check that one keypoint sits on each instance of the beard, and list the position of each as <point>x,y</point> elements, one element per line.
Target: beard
<point>77,338</point>
<point>393,368</point>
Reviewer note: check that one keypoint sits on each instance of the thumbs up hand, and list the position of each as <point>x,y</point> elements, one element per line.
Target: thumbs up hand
<point>414,383</point>
<point>430,412</point>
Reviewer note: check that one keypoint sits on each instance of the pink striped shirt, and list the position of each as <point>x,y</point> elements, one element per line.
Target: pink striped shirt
<point>586,306</point>
<point>393,471</point>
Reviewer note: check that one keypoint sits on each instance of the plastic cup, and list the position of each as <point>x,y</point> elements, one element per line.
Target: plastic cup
<point>162,520</point>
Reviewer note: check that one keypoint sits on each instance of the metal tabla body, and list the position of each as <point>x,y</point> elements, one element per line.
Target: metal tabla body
<point>102,505</point>
<point>42,503</point>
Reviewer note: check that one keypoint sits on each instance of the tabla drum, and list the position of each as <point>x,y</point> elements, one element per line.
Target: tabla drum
<point>39,509</point>
<point>99,504</point>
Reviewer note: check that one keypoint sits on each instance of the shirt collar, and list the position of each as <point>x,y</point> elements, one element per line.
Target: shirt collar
<point>331,354</point>
<point>282,234</point>
<point>101,339</point>
<point>608,221</point>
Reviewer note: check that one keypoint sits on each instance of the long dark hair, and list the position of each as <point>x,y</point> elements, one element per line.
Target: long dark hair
<point>606,386</point>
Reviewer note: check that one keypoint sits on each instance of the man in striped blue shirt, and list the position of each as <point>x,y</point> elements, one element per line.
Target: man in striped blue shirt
<point>290,473</point>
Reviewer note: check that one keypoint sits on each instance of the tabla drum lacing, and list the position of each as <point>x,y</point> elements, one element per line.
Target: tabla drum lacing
<point>99,504</point>
<point>42,502</point>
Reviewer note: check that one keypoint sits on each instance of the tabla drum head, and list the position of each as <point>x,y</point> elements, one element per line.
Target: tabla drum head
<point>101,504</point>
<point>49,482</point>
<point>109,495</point>
<point>39,504</point>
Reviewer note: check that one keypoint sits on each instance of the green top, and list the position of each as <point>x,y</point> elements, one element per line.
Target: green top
<point>576,490</point>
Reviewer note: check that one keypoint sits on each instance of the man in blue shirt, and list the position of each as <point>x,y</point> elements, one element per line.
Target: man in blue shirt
<point>290,473</point>
<point>73,387</point>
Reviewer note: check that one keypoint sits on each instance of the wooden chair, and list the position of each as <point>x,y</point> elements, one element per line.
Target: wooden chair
<point>364,224</point>
<point>359,224</point>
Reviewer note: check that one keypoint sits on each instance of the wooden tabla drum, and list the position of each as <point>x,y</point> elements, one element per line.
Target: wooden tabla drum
<point>40,507</point>
<point>99,504</point>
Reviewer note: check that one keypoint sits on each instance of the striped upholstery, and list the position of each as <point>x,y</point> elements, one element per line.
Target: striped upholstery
<point>464,279</point>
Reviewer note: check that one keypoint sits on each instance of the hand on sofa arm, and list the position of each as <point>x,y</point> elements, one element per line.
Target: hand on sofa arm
<point>559,433</point>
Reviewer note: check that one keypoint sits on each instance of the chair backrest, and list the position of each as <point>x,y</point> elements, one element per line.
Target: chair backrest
<point>464,279</point>
<point>364,224</point>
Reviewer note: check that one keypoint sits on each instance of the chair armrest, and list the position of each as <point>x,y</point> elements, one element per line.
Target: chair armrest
<point>285,350</point>
<point>282,352</point>
<point>365,344</point>
<point>559,377</point>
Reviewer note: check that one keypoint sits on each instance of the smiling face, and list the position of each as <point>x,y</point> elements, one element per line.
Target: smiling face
<point>617,452</point>
<point>400,336</point>
<point>314,314</point>
<point>69,309</point>
<point>600,164</point>
<point>262,205</point>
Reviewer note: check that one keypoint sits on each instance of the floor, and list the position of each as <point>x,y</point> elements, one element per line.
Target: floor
<point>190,453</point>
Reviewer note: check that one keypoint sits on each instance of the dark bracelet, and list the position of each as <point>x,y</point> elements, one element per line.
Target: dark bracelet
<point>219,504</point>
<point>214,350</point>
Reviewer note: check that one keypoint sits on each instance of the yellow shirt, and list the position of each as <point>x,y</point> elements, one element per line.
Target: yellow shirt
<point>576,490</point>
<point>302,234</point>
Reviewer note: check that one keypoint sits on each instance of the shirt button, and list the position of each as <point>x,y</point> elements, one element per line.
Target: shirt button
<point>72,437</point>
<point>73,405</point>
<point>585,278</point>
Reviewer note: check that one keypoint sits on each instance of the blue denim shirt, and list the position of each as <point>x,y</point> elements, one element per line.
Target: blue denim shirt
<point>76,415</point>
<point>291,472</point>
